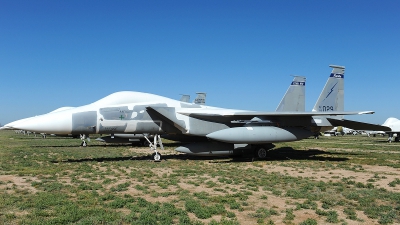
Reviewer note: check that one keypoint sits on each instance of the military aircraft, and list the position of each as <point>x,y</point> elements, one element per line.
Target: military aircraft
<point>391,127</point>
<point>293,100</point>
<point>226,129</point>
<point>370,129</point>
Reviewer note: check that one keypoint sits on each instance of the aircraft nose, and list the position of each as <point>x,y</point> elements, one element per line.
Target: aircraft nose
<point>57,123</point>
<point>11,126</point>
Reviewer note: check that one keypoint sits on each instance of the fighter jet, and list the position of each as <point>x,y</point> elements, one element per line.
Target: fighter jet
<point>144,113</point>
<point>293,100</point>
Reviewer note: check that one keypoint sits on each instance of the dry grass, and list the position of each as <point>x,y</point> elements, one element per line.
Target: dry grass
<point>335,180</point>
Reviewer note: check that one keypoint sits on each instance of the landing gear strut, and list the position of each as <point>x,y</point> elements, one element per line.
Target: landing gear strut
<point>153,146</point>
<point>83,137</point>
<point>393,137</point>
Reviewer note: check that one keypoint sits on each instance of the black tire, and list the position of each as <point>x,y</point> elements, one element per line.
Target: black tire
<point>261,153</point>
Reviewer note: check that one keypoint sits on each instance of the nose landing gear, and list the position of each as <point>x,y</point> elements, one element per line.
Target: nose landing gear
<point>153,147</point>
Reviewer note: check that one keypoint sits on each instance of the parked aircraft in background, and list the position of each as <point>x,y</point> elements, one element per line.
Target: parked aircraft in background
<point>391,127</point>
<point>226,129</point>
<point>360,127</point>
<point>373,133</point>
<point>349,131</point>
<point>336,131</point>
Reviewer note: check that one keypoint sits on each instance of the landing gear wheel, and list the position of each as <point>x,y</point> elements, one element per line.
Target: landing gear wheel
<point>156,156</point>
<point>83,144</point>
<point>262,153</point>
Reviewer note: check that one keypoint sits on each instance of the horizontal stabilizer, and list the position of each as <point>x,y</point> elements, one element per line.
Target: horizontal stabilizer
<point>358,125</point>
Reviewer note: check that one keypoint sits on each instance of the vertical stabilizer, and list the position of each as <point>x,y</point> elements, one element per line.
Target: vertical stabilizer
<point>185,98</point>
<point>294,99</point>
<point>332,96</point>
<point>200,98</point>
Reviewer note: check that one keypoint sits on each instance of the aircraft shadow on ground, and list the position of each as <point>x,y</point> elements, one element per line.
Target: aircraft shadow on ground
<point>384,141</point>
<point>279,154</point>
<point>289,153</point>
<point>124,158</point>
<point>76,145</point>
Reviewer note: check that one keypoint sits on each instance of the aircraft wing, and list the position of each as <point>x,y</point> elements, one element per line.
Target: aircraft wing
<point>251,114</point>
<point>219,115</point>
<point>358,125</point>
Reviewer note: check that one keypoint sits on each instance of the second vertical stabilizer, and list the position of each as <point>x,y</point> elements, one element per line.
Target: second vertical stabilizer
<point>294,99</point>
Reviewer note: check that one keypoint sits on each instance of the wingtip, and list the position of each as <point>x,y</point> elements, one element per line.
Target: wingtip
<point>367,112</point>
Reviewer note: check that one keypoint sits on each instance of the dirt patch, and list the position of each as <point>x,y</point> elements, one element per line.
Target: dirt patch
<point>10,182</point>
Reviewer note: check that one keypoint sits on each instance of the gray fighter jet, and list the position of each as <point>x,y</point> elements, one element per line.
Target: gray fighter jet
<point>227,129</point>
<point>293,100</point>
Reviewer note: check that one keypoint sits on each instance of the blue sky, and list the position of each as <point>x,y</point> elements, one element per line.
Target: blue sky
<point>242,53</point>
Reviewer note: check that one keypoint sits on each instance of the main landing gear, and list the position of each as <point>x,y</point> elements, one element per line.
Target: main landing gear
<point>83,137</point>
<point>153,146</point>
<point>393,137</point>
<point>261,153</point>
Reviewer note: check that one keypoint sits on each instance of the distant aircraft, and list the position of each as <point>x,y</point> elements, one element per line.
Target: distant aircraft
<point>367,127</point>
<point>391,127</point>
<point>336,131</point>
<point>349,131</point>
<point>226,129</point>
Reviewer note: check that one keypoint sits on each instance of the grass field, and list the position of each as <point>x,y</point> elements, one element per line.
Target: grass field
<point>333,180</point>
